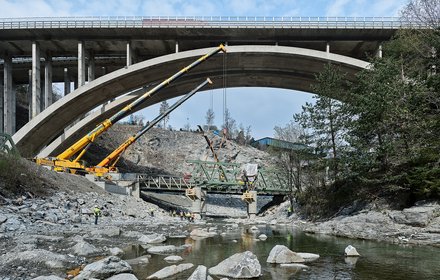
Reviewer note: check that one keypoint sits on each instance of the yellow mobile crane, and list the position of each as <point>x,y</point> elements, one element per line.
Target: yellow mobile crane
<point>108,163</point>
<point>66,161</point>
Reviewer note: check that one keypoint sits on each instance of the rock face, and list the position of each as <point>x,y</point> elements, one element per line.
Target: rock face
<point>104,268</point>
<point>282,254</point>
<point>240,265</point>
<point>351,251</point>
<point>170,271</point>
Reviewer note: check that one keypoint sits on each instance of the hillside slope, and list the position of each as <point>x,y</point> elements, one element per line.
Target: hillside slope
<point>162,151</point>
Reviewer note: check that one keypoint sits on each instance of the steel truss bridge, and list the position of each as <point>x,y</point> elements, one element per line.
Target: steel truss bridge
<point>215,177</point>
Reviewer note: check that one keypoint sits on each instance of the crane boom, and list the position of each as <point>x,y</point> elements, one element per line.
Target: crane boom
<point>108,162</point>
<point>64,160</point>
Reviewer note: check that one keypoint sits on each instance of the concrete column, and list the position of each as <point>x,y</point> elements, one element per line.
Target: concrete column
<point>252,205</point>
<point>43,95</point>
<point>177,47</point>
<point>36,79</point>
<point>75,83</point>
<point>327,47</point>
<point>29,94</point>
<point>91,70</point>
<point>129,54</point>
<point>8,116</point>
<point>48,82</point>
<point>198,202</point>
<point>379,51</point>
<point>81,64</point>
<point>66,82</point>
<point>2,92</point>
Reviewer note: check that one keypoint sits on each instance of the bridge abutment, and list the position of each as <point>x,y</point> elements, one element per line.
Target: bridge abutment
<point>198,198</point>
<point>250,198</point>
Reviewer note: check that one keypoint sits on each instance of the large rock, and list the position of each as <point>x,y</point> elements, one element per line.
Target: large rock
<point>51,277</point>
<point>123,276</point>
<point>38,256</point>
<point>173,259</point>
<point>197,232</point>
<point>418,216</point>
<point>104,268</point>
<point>152,238</point>
<point>201,273</point>
<point>139,260</point>
<point>351,251</point>
<point>170,271</point>
<point>240,265</point>
<point>308,257</point>
<point>162,249</point>
<point>282,254</point>
<point>82,248</point>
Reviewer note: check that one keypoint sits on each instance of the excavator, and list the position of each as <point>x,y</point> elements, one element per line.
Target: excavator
<point>69,160</point>
<point>108,163</point>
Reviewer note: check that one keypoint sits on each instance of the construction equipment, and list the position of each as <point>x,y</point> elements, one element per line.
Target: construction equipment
<point>108,163</point>
<point>66,161</point>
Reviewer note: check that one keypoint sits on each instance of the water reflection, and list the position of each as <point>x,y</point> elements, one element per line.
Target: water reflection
<point>378,260</point>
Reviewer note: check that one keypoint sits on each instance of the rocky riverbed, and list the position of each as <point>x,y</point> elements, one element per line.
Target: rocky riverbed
<point>57,236</point>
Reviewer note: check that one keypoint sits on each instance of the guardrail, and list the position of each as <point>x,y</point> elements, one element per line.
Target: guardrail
<point>208,22</point>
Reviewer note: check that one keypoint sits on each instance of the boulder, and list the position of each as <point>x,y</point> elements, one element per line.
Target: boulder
<point>262,237</point>
<point>49,259</point>
<point>172,259</point>
<point>240,265</point>
<point>152,238</point>
<point>170,271</point>
<point>351,251</point>
<point>116,251</point>
<point>50,277</point>
<point>308,257</point>
<point>138,261</point>
<point>417,216</point>
<point>82,248</point>
<point>104,268</point>
<point>123,276</point>
<point>282,254</point>
<point>199,233</point>
<point>162,249</point>
<point>201,273</point>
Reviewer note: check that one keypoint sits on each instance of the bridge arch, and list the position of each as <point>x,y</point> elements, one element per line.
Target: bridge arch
<point>247,66</point>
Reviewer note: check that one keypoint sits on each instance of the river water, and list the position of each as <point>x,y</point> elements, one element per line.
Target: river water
<point>378,260</point>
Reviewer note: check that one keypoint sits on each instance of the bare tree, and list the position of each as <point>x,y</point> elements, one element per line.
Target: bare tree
<point>209,118</point>
<point>163,107</point>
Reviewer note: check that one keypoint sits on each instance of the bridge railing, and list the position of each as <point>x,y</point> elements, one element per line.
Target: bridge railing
<point>207,22</point>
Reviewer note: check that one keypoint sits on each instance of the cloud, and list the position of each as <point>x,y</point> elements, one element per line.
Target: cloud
<point>337,8</point>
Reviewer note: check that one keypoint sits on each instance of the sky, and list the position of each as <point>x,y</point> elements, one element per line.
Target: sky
<point>260,108</point>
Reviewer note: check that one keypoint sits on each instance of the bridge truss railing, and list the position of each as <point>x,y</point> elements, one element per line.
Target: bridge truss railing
<point>163,182</point>
<point>227,177</point>
<point>207,22</point>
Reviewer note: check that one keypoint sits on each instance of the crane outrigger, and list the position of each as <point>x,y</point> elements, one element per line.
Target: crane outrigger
<point>67,162</point>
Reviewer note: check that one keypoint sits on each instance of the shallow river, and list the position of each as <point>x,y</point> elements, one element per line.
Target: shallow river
<point>377,261</point>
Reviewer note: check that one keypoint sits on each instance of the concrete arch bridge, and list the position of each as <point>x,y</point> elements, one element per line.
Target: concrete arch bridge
<point>247,66</point>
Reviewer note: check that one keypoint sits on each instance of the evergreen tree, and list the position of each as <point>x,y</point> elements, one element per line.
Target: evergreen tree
<point>326,120</point>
